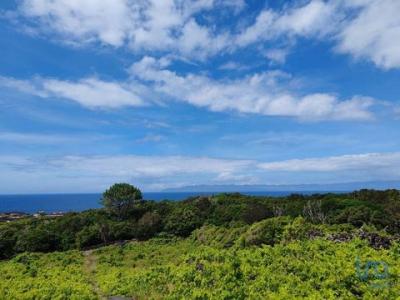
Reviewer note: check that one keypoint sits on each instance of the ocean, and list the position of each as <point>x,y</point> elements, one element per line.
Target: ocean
<point>79,202</point>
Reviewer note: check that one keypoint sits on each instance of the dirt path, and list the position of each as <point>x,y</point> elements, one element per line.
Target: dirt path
<point>90,269</point>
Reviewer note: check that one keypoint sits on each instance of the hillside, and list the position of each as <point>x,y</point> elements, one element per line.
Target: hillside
<point>228,246</point>
<point>273,259</point>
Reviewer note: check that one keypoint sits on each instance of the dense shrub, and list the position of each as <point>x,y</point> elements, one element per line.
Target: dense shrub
<point>267,232</point>
<point>299,230</point>
<point>183,220</point>
<point>38,239</point>
<point>50,276</point>
<point>146,219</point>
<point>218,236</point>
<point>307,269</point>
<point>255,212</point>
<point>282,258</point>
<point>88,236</point>
<point>148,225</point>
<point>355,215</point>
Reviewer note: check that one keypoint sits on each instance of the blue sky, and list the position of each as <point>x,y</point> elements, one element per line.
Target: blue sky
<point>174,93</point>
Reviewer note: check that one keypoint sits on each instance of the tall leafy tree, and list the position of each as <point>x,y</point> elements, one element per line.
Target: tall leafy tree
<point>120,198</point>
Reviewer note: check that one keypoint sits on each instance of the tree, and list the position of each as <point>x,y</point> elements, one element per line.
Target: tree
<point>120,198</point>
<point>313,211</point>
<point>183,220</point>
<point>148,225</point>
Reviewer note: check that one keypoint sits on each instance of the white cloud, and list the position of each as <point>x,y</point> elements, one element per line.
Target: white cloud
<point>260,30</point>
<point>169,25</point>
<point>313,19</point>
<point>230,65</point>
<point>260,93</point>
<point>25,86</point>
<point>95,173</point>
<point>374,34</point>
<point>51,139</point>
<point>199,42</point>
<point>266,93</point>
<point>370,162</point>
<point>108,21</point>
<point>90,92</point>
<point>149,166</point>
<point>148,25</point>
<point>32,138</point>
<point>367,29</point>
<point>277,56</point>
<point>151,138</point>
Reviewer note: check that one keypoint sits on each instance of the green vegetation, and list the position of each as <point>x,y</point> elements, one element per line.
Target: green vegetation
<point>127,217</point>
<point>228,246</point>
<point>51,276</point>
<point>120,198</point>
<point>277,258</point>
<point>317,269</point>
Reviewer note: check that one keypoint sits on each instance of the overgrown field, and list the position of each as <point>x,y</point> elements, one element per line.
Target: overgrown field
<point>45,276</point>
<point>277,258</point>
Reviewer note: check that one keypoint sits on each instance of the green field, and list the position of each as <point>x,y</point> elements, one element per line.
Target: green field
<point>278,258</point>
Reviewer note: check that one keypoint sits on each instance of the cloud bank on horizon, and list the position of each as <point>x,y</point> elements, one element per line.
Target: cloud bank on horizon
<point>170,93</point>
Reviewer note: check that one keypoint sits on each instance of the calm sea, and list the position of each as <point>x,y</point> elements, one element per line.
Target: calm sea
<point>80,202</point>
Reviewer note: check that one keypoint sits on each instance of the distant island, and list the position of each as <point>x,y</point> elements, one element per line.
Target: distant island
<point>329,187</point>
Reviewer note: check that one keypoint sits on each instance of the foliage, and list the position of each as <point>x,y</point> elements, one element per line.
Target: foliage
<point>280,259</point>
<point>183,220</point>
<point>267,232</point>
<point>307,269</point>
<point>120,198</point>
<point>148,225</point>
<point>133,218</point>
<point>51,276</point>
<point>218,236</point>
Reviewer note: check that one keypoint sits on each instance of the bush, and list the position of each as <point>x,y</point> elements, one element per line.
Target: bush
<point>299,230</point>
<point>87,237</point>
<point>8,238</point>
<point>268,232</point>
<point>148,225</point>
<point>355,215</point>
<point>255,212</point>
<point>39,239</point>
<point>182,221</point>
<point>218,236</point>
<point>143,219</point>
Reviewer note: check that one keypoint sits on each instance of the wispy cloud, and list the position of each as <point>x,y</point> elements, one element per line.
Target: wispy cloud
<point>140,25</point>
<point>51,139</point>
<point>234,66</point>
<point>100,171</point>
<point>90,92</point>
<point>34,138</point>
<point>374,33</point>
<point>264,93</point>
<point>367,29</point>
<point>94,173</point>
<point>371,162</point>
<point>151,138</point>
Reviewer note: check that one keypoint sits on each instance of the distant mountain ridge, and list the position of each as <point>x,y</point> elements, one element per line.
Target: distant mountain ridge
<point>331,187</point>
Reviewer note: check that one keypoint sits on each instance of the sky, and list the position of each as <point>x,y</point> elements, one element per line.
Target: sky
<point>164,94</point>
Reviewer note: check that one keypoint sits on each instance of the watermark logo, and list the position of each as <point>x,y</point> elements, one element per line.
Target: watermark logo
<point>374,272</point>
